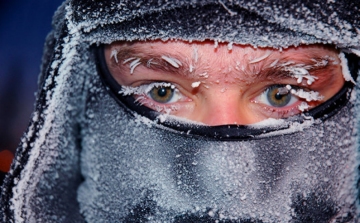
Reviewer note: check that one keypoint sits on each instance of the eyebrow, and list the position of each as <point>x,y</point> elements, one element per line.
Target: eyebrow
<point>158,61</point>
<point>310,63</point>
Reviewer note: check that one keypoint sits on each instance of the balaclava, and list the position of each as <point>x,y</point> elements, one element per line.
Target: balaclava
<point>89,155</point>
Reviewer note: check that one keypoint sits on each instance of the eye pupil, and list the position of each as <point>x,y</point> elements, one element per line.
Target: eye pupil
<point>278,96</point>
<point>162,92</point>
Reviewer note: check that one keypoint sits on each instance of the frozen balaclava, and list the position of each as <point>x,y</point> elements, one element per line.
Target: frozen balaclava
<point>91,154</point>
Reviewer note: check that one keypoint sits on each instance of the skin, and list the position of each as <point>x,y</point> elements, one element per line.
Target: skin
<point>218,85</point>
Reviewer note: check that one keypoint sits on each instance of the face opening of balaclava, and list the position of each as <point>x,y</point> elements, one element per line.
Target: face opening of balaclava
<point>94,155</point>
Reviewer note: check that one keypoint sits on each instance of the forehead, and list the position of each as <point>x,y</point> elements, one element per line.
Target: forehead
<point>226,52</point>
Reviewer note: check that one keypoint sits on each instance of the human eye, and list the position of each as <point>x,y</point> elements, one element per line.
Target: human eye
<point>283,101</point>
<point>163,93</point>
<point>160,96</point>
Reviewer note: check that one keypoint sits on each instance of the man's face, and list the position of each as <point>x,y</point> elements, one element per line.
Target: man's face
<point>219,84</point>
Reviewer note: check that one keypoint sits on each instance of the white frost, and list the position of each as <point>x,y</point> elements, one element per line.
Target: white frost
<point>195,84</point>
<point>345,68</point>
<point>227,9</point>
<point>301,73</point>
<point>274,63</point>
<point>216,44</point>
<point>256,60</point>
<point>195,54</point>
<point>307,95</point>
<point>114,53</point>
<point>128,59</point>
<point>149,62</point>
<point>172,61</point>
<point>134,64</point>
<point>229,46</point>
<point>303,106</point>
<point>143,89</point>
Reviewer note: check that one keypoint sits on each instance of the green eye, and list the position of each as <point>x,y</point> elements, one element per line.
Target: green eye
<point>161,94</point>
<point>277,99</point>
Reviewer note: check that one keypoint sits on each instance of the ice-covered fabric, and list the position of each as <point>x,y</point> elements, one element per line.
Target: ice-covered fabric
<point>84,157</point>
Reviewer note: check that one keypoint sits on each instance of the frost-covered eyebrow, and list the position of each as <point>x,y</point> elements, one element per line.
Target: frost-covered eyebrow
<point>310,64</point>
<point>174,63</point>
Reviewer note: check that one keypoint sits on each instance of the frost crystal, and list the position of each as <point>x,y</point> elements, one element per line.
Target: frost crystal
<point>227,9</point>
<point>307,95</point>
<point>172,61</point>
<point>345,68</point>
<point>216,44</point>
<point>283,90</point>
<point>134,64</point>
<point>195,54</point>
<point>301,73</point>
<point>195,84</point>
<point>256,60</point>
<point>128,59</point>
<point>229,46</point>
<point>303,106</point>
<point>114,53</point>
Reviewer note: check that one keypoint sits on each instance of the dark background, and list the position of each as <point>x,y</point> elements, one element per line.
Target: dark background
<point>24,25</point>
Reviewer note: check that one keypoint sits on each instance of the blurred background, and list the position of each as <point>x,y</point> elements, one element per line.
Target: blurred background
<point>24,25</point>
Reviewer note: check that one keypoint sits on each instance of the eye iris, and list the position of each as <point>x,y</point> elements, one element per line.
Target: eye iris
<point>276,99</point>
<point>162,94</point>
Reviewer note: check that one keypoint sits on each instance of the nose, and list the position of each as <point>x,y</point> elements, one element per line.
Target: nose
<point>225,108</point>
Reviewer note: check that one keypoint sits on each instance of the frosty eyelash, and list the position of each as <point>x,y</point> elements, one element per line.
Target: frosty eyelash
<point>307,95</point>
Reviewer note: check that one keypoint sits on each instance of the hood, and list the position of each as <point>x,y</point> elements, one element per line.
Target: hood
<point>88,157</point>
